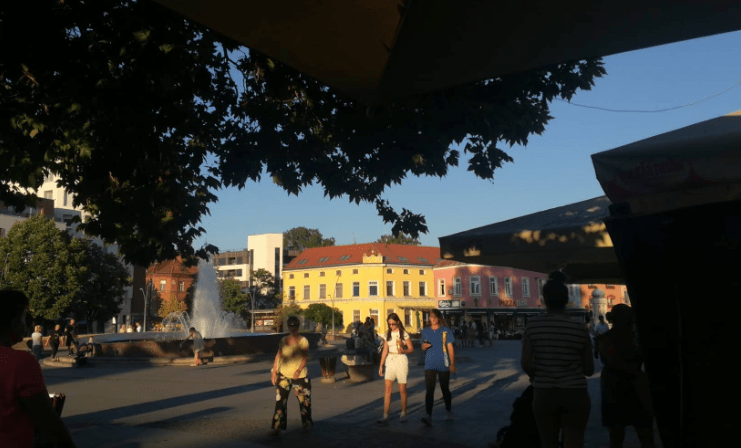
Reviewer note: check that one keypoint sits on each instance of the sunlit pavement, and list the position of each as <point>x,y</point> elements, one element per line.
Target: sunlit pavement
<point>232,405</point>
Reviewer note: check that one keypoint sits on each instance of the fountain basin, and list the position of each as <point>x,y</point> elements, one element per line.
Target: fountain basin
<point>145,345</point>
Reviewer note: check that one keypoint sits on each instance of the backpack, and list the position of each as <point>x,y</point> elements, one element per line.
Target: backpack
<point>522,431</point>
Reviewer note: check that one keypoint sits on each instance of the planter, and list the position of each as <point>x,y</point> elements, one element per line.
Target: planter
<point>328,365</point>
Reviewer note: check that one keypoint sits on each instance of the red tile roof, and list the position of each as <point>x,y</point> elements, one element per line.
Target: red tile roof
<point>170,267</point>
<point>449,263</point>
<point>353,254</point>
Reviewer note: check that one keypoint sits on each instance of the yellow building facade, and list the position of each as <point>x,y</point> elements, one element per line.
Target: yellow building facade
<point>365,280</point>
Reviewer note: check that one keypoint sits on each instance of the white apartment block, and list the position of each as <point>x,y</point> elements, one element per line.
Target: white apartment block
<point>266,252</point>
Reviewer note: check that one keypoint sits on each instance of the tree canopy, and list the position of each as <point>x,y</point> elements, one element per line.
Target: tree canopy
<point>137,110</point>
<point>233,299</point>
<point>46,264</point>
<point>399,238</point>
<point>319,312</point>
<point>301,238</point>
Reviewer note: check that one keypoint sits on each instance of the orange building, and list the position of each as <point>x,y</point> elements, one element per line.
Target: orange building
<point>171,278</point>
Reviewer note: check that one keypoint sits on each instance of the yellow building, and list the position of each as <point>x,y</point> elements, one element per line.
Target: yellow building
<point>365,280</point>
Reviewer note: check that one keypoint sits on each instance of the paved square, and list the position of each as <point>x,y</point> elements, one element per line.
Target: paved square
<point>131,406</point>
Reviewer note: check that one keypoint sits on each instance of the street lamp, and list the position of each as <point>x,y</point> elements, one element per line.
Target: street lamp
<point>145,307</point>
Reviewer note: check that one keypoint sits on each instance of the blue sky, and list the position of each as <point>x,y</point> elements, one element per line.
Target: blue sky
<point>554,169</point>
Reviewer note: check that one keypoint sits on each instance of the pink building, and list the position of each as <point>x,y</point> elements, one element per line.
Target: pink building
<point>474,292</point>
<point>507,296</point>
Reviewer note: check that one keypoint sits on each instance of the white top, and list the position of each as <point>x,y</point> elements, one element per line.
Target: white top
<point>601,328</point>
<point>138,329</point>
<point>558,344</point>
<point>36,337</point>
<point>393,348</point>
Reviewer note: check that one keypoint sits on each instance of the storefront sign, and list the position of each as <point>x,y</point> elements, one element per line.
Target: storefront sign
<point>443,303</point>
<point>522,303</point>
<point>456,304</point>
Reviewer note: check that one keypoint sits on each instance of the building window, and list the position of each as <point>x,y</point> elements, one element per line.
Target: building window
<point>356,315</point>
<point>421,272</point>
<point>290,276</point>
<point>508,286</point>
<point>322,291</point>
<point>374,316</point>
<point>338,290</point>
<point>422,289</point>
<point>344,257</point>
<point>389,271</point>
<point>407,289</point>
<point>181,286</point>
<point>407,317</point>
<point>525,287</point>
<point>306,275</point>
<point>403,259</point>
<point>373,288</point>
<point>406,271</point>
<point>539,284</point>
<point>338,273</point>
<point>239,272</point>
<point>163,283</point>
<point>307,292</point>
<point>441,287</point>
<point>356,289</point>
<point>354,271</point>
<point>390,288</point>
<point>64,198</point>
<point>321,274</point>
<point>474,284</point>
<point>49,194</point>
<point>323,259</point>
<point>292,293</point>
<point>457,286</point>
<point>422,259</point>
<point>493,286</point>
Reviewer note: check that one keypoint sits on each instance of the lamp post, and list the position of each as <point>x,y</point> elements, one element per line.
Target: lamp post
<point>252,315</point>
<point>145,308</point>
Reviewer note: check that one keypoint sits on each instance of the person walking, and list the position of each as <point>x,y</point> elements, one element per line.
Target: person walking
<point>289,372</point>
<point>53,341</point>
<point>138,328</point>
<point>396,346</point>
<point>438,345</point>
<point>70,337</point>
<point>557,356</point>
<point>198,345</point>
<point>626,399</point>
<point>36,347</point>
<point>600,329</point>
<point>24,399</point>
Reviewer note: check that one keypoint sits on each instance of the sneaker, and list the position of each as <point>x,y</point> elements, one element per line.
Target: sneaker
<point>449,416</point>
<point>426,421</point>
<point>403,418</point>
<point>383,421</point>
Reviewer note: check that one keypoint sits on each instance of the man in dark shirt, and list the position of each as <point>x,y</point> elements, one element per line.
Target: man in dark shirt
<point>70,336</point>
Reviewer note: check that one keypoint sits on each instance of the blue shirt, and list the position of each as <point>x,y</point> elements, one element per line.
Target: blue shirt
<point>434,356</point>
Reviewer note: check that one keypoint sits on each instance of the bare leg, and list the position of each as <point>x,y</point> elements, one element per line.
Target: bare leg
<point>388,384</point>
<point>403,394</point>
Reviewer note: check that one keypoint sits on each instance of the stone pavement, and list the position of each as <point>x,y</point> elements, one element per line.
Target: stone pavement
<point>131,406</point>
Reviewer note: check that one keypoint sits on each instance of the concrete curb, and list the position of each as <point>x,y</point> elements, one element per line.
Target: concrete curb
<point>70,362</point>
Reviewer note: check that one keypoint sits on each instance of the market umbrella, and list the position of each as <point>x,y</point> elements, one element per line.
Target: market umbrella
<point>384,49</point>
<point>572,237</point>
<point>694,165</point>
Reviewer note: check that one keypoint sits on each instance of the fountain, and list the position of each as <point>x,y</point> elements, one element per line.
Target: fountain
<point>208,317</point>
<point>225,333</point>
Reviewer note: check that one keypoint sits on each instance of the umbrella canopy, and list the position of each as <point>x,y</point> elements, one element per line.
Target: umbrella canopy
<point>572,237</point>
<point>690,166</point>
<point>384,49</point>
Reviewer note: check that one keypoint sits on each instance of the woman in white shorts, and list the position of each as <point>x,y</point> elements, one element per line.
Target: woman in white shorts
<point>396,346</point>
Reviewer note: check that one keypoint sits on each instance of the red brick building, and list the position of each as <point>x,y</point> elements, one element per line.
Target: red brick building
<point>171,278</point>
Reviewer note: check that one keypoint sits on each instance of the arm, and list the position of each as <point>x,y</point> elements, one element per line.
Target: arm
<point>408,347</point>
<point>451,355</point>
<point>588,357</point>
<point>304,358</point>
<point>38,409</point>
<point>526,358</point>
<point>384,354</point>
<point>274,370</point>
<point>46,344</point>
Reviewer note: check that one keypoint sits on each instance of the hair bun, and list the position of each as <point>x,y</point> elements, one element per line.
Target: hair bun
<point>557,276</point>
